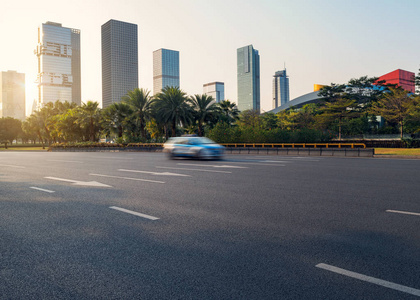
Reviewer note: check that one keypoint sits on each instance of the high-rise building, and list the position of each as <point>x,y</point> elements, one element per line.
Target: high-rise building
<point>216,90</point>
<point>12,95</point>
<point>165,69</point>
<point>248,68</point>
<point>58,53</point>
<point>402,78</point>
<point>120,71</point>
<point>280,88</point>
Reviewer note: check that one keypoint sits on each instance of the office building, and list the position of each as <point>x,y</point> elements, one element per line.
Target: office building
<point>165,69</point>
<point>248,70</point>
<point>280,88</point>
<point>12,95</point>
<point>404,79</point>
<point>58,53</point>
<point>216,90</point>
<point>120,70</point>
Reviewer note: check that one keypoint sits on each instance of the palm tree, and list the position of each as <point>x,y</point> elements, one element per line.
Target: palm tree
<point>140,102</point>
<point>204,110</point>
<point>116,118</point>
<point>171,107</point>
<point>229,111</point>
<point>89,115</point>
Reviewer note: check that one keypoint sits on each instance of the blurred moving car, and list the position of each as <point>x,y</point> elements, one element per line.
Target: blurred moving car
<point>193,147</point>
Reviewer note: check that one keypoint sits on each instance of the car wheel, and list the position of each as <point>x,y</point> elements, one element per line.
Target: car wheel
<point>204,154</point>
<point>171,155</point>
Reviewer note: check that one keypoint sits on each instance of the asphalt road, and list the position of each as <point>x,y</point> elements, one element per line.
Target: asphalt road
<point>139,226</point>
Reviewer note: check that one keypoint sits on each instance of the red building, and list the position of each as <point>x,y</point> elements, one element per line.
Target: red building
<point>404,79</point>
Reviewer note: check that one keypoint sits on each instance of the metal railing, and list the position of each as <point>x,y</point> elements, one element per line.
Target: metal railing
<point>295,145</point>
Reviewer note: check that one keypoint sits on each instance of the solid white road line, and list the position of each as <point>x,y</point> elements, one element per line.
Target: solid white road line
<point>42,190</point>
<point>403,212</point>
<point>134,213</point>
<point>373,280</point>
<point>214,166</point>
<point>257,163</point>
<point>67,161</point>
<point>128,178</point>
<point>12,166</point>
<point>154,173</point>
<point>200,170</point>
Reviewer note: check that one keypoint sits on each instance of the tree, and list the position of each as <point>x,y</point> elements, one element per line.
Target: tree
<point>140,102</point>
<point>395,106</point>
<point>10,128</point>
<point>204,110</point>
<point>269,121</point>
<point>229,112</point>
<point>332,92</point>
<point>89,117</point>
<point>116,118</point>
<point>68,126</point>
<point>365,89</point>
<point>251,118</point>
<point>338,111</point>
<point>172,108</point>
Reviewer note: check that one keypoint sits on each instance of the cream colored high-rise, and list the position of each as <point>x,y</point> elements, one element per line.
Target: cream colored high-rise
<point>59,74</point>
<point>12,95</point>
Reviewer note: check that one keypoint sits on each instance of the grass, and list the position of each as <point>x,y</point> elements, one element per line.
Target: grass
<point>398,151</point>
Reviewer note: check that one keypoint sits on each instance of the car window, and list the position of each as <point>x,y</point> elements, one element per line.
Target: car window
<point>204,140</point>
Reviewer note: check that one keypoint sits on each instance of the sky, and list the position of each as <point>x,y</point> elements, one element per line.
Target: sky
<point>319,41</point>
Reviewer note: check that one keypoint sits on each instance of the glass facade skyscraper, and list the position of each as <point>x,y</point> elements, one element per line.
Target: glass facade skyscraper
<point>165,69</point>
<point>216,90</point>
<point>120,72</point>
<point>58,53</point>
<point>280,88</point>
<point>12,95</point>
<point>248,70</point>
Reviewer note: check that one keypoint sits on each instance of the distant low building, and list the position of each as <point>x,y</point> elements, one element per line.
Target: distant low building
<point>402,78</point>
<point>216,90</point>
<point>12,95</point>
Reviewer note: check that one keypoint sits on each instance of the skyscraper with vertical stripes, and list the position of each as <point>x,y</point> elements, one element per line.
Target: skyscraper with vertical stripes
<point>120,72</point>
<point>248,71</point>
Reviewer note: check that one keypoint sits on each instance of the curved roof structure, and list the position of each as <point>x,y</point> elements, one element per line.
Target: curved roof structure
<point>300,101</point>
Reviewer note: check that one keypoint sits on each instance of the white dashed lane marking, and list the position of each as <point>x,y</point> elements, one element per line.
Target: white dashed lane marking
<point>134,213</point>
<point>127,178</point>
<point>403,212</point>
<point>12,166</point>
<point>199,170</point>
<point>373,280</point>
<point>214,166</point>
<point>42,190</point>
<point>154,173</point>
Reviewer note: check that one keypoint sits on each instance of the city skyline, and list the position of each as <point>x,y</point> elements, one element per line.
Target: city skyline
<point>319,41</point>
